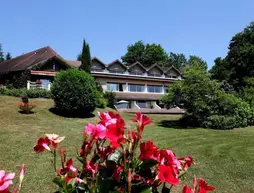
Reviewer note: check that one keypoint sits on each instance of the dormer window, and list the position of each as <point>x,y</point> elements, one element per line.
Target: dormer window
<point>155,71</point>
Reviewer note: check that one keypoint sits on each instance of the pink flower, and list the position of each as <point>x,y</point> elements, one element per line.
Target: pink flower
<point>204,187</point>
<point>55,139</point>
<point>69,168</point>
<point>42,145</point>
<point>142,121</point>
<point>187,189</point>
<point>5,181</point>
<point>186,162</point>
<point>107,118</point>
<point>133,135</point>
<point>86,148</point>
<point>96,132</point>
<point>91,167</point>
<point>104,152</point>
<point>167,174</point>
<point>77,180</point>
<point>115,126</point>
<point>148,151</point>
<point>167,157</point>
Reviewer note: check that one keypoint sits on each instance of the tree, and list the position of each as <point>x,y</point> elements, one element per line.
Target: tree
<point>196,61</point>
<point>146,54</point>
<point>220,71</point>
<point>178,60</point>
<point>205,103</point>
<point>8,56</point>
<point>134,53</point>
<point>239,62</point>
<point>1,54</point>
<point>85,58</point>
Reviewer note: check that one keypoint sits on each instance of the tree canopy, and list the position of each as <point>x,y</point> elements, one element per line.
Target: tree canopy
<point>85,57</point>
<point>149,54</point>
<point>8,56</point>
<point>1,54</point>
<point>239,62</point>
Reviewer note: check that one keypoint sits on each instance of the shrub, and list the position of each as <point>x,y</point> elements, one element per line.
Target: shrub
<point>3,90</point>
<point>74,91</point>
<point>111,99</point>
<point>32,93</point>
<point>221,122</point>
<point>206,104</point>
<point>102,102</point>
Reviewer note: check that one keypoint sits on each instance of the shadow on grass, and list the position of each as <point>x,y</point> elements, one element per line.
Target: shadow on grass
<point>71,115</point>
<point>174,124</point>
<point>26,113</point>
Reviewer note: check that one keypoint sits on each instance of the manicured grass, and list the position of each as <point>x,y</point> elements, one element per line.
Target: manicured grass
<point>224,158</point>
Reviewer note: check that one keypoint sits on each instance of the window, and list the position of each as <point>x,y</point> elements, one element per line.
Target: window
<point>136,88</point>
<point>114,87</point>
<point>170,76</point>
<point>116,72</point>
<point>154,75</point>
<point>97,70</point>
<point>144,104</point>
<point>136,73</point>
<point>166,89</point>
<point>154,89</point>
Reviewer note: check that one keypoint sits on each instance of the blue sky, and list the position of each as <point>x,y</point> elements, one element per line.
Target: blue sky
<point>199,27</point>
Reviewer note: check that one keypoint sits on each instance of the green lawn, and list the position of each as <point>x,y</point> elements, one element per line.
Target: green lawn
<point>224,158</point>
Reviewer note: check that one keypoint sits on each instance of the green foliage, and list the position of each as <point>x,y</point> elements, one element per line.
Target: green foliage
<point>32,93</point>
<point>3,90</point>
<point>85,57</point>
<point>197,61</point>
<point>239,62</point>
<point>247,92</point>
<point>178,60</point>
<point>74,91</point>
<point>220,71</point>
<point>147,54</point>
<point>8,56</point>
<point>1,54</point>
<point>111,99</point>
<point>205,103</point>
<point>20,81</point>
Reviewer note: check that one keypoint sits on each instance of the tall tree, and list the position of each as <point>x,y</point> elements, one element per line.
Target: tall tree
<point>197,61</point>
<point>8,56</point>
<point>239,62</point>
<point>178,60</point>
<point>85,58</point>
<point>1,54</point>
<point>147,54</point>
<point>220,71</point>
<point>134,53</point>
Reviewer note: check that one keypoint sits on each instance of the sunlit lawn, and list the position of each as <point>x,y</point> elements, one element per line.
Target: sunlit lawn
<point>224,158</point>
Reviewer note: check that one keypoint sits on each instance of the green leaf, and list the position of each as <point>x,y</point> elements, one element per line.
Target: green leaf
<point>115,156</point>
<point>148,163</point>
<point>104,184</point>
<point>146,190</point>
<point>59,181</point>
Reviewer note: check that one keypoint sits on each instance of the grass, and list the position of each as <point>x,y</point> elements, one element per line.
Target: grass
<point>224,158</point>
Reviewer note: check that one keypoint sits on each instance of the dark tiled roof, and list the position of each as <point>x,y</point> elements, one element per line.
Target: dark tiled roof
<point>117,62</point>
<point>137,63</point>
<point>29,59</point>
<point>74,63</point>
<point>154,111</point>
<point>137,96</point>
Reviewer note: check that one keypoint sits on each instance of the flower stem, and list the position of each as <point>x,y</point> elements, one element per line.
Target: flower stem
<point>55,160</point>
